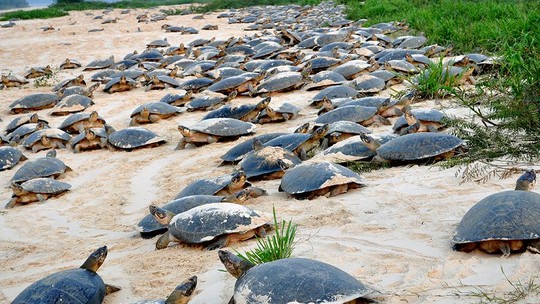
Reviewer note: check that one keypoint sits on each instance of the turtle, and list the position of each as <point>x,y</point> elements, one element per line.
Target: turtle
<point>12,80</point>
<point>48,166</point>
<point>368,84</point>
<point>133,138</point>
<point>237,152</point>
<point>72,104</point>
<point>325,79</point>
<point>505,221</point>
<point>100,64</point>
<point>209,100</point>
<point>416,147</point>
<point>429,120</point>
<point>152,113</point>
<point>214,225</point>
<point>212,130</point>
<point>196,85</point>
<point>78,122</point>
<point>10,157</point>
<point>351,149</point>
<point>36,189</point>
<point>76,81</point>
<point>262,162</point>
<point>180,295</point>
<point>337,91</point>
<point>158,43</point>
<point>308,181</point>
<point>78,285</point>
<point>21,120</point>
<point>86,91</point>
<point>149,227</point>
<point>365,116</point>
<point>283,112</point>
<point>245,112</point>
<point>221,185</point>
<point>386,106</point>
<point>50,138</point>
<point>242,83</point>
<point>292,280</point>
<point>70,64</point>
<point>119,84</point>
<point>90,139</point>
<point>33,102</point>
<point>22,132</point>
<point>300,143</point>
<point>36,72</point>
<point>342,129</point>
<point>283,82</point>
<point>160,82</point>
<point>150,55</point>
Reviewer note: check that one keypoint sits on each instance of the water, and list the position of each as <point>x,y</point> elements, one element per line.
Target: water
<point>34,3</point>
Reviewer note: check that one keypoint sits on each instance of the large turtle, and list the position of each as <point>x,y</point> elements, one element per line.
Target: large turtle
<point>119,84</point>
<point>365,116</point>
<point>133,138</point>
<point>265,162</point>
<point>300,143</point>
<point>9,157</point>
<point>72,104</point>
<point>78,285</point>
<point>22,132</point>
<point>33,102</point>
<point>21,120</point>
<point>221,185</point>
<point>210,100</point>
<point>70,64</point>
<point>308,181</point>
<point>213,225</point>
<point>429,120</point>
<point>351,149</point>
<point>212,130</point>
<point>180,295</point>
<point>100,64</point>
<point>90,139</point>
<point>79,122</point>
<point>37,189</point>
<point>46,139</point>
<point>504,222</point>
<point>76,81</point>
<point>12,80</point>
<point>244,112</point>
<point>152,112</point>
<point>283,112</point>
<point>291,280</point>
<point>149,227</point>
<point>237,152</point>
<point>48,166</point>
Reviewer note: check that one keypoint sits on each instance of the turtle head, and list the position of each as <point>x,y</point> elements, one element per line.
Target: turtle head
<point>40,125</point>
<point>263,104</point>
<point>370,142</point>
<point>409,116</point>
<point>241,196</point>
<point>235,265</point>
<point>109,129</point>
<point>90,134</point>
<point>185,131</point>
<point>526,181</point>
<point>335,137</point>
<point>410,129</point>
<point>284,165</point>
<point>17,189</point>
<point>34,118</point>
<point>257,144</point>
<point>51,153</point>
<point>145,112</point>
<point>321,131</point>
<point>239,177</point>
<point>303,128</point>
<point>161,215</point>
<point>94,116</point>
<point>183,292</point>
<point>327,104</point>
<point>96,259</point>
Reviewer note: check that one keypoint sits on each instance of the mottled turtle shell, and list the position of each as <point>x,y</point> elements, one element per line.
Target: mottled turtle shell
<point>204,223</point>
<point>33,102</point>
<point>348,113</point>
<point>45,185</point>
<point>230,83</point>
<point>40,167</point>
<point>310,177</point>
<point>149,226</point>
<point>9,157</point>
<point>21,120</point>
<point>50,133</point>
<point>72,104</point>
<point>338,91</point>
<point>353,149</point>
<point>417,146</point>
<point>160,108</point>
<point>288,141</point>
<point>425,115</point>
<point>224,127</point>
<point>280,82</point>
<point>134,137</point>
<point>100,64</point>
<point>507,215</point>
<point>207,186</point>
<point>263,162</point>
<point>237,152</point>
<point>297,280</point>
<point>75,118</point>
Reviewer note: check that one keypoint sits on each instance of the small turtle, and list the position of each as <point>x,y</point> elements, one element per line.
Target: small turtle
<point>221,185</point>
<point>158,43</point>
<point>178,100</point>
<point>70,64</point>
<point>196,85</point>
<point>325,79</point>
<point>13,80</point>
<point>21,120</point>
<point>292,280</point>
<point>78,122</point>
<point>299,143</point>
<point>152,113</point>
<point>76,81</point>
<point>86,91</point>
<point>79,285</point>
<point>308,181</point>
<point>341,130</point>
<point>241,84</point>
<point>415,147</point>
<point>46,139</point>
<point>37,189</point>
<point>160,82</point>
<point>365,116</point>
<point>237,152</point>
<point>150,55</point>
<point>368,84</point>
<point>100,64</point>
<point>504,222</point>
<point>386,106</point>
<point>212,130</point>
<point>180,295</point>
<point>401,66</point>
<point>90,139</point>
<point>22,132</point>
<point>353,69</point>
<point>283,112</point>
<point>48,166</point>
<point>210,100</point>
<point>265,162</point>
<point>337,91</point>
<point>133,138</point>
<point>119,84</point>
<point>72,104</point>
<point>10,157</point>
<point>351,149</point>
<point>36,72</point>
<point>149,227</point>
<point>429,120</point>
<point>210,27</point>
<point>245,112</point>
<point>213,225</point>
<point>33,102</point>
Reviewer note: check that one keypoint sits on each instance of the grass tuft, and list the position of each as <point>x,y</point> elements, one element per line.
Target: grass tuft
<point>436,80</point>
<point>521,291</point>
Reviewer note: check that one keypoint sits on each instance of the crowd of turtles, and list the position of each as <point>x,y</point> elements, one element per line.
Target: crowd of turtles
<point>286,48</point>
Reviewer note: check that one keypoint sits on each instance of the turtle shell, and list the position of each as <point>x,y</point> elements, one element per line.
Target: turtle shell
<point>9,157</point>
<point>306,178</point>
<point>100,64</point>
<point>149,227</point>
<point>68,123</point>
<point>427,115</point>
<point>368,84</point>
<point>21,120</point>
<point>134,137</point>
<point>207,186</point>
<point>40,167</point>
<point>72,104</point>
<point>100,133</point>
<point>25,130</point>
<point>50,133</point>
<point>160,108</point>
<point>196,85</point>
<point>297,280</point>
<point>506,215</point>
<point>337,91</point>
<point>116,80</point>
<point>261,163</point>
<point>347,127</point>
<point>33,102</point>
<point>70,286</point>
<point>45,185</point>
<point>348,113</point>
<point>418,146</point>
<point>237,152</point>
<point>280,82</point>
<point>204,223</point>
<point>353,149</point>
<point>288,141</point>
<point>206,101</point>
<point>230,83</point>
<point>224,127</point>
<point>325,79</point>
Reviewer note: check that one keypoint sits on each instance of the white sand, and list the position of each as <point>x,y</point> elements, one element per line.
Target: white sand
<point>394,234</point>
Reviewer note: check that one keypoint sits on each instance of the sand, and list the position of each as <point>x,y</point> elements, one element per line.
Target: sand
<point>393,234</point>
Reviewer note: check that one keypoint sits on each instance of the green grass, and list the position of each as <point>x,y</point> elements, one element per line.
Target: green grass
<point>42,13</point>
<point>275,247</point>
<point>436,81</point>
<point>215,5</point>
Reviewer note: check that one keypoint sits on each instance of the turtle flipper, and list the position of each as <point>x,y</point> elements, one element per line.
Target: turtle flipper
<point>133,122</point>
<point>505,248</point>
<point>12,202</point>
<point>111,288</point>
<point>219,242</point>
<point>181,144</point>
<point>212,139</point>
<point>432,128</point>
<point>163,241</point>
<point>41,198</point>
<point>534,246</point>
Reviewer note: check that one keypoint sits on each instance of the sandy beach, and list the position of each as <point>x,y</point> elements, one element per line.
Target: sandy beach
<point>393,234</point>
